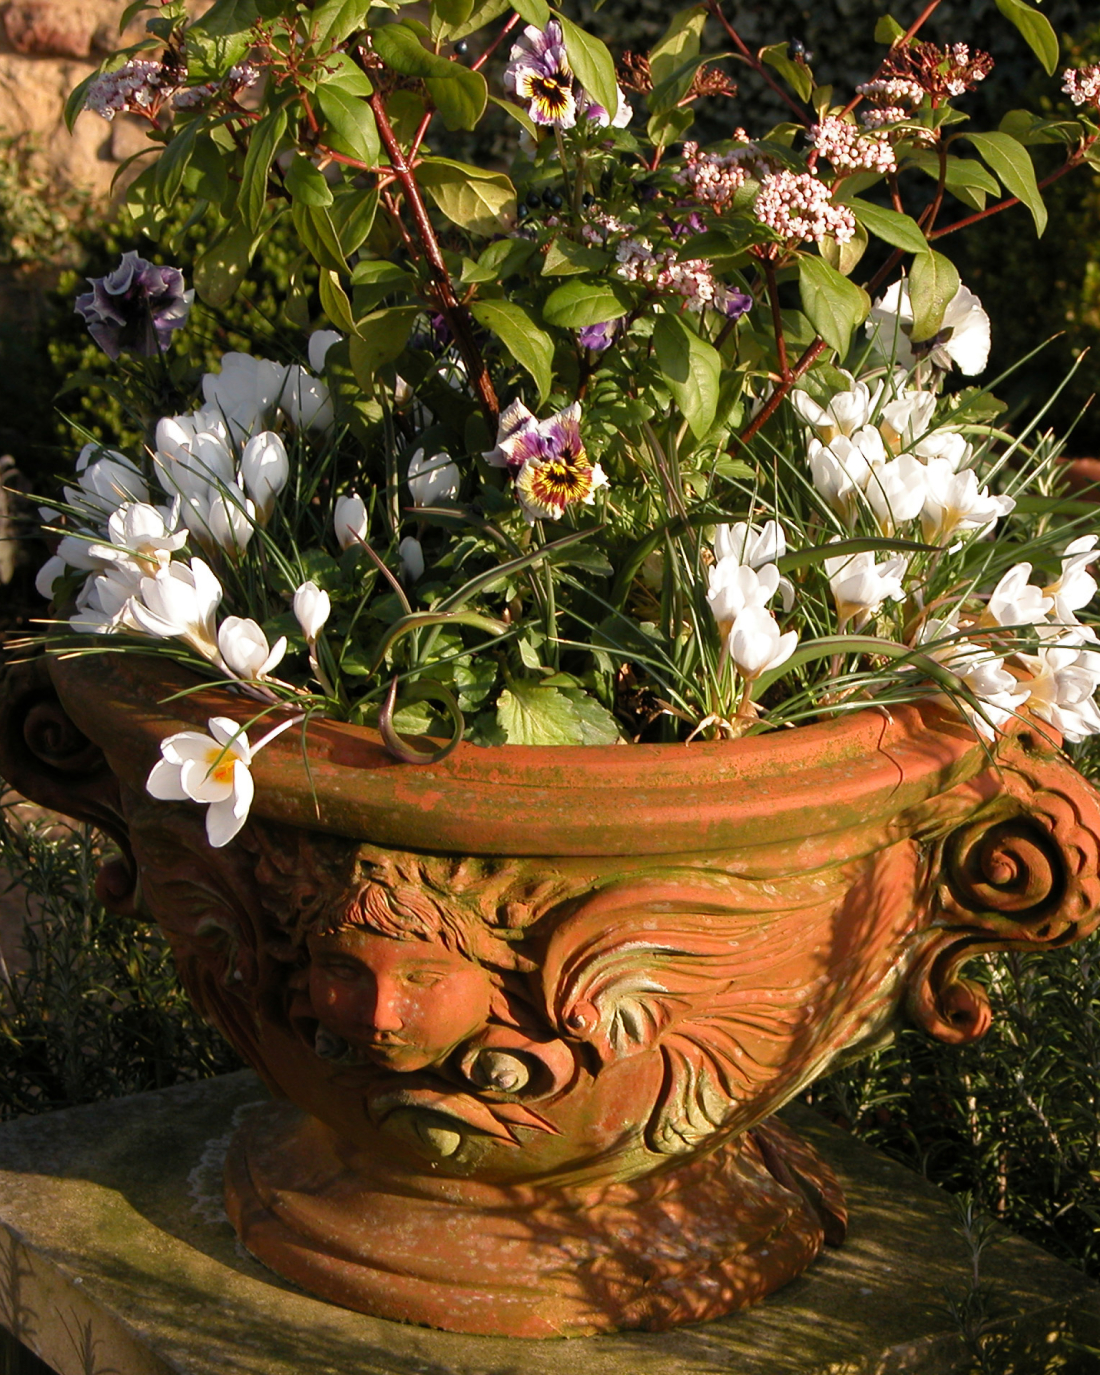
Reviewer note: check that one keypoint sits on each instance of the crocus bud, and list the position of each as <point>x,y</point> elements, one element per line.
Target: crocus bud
<point>312,607</point>
<point>245,650</point>
<point>264,471</point>
<point>433,481</point>
<point>349,520</point>
<point>412,559</point>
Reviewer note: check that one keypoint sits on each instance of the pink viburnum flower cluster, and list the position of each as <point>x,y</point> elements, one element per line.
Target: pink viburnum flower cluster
<point>849,150</point>
<point>1083,86</point>
<point>144,87</point>
<point>713,179</point>
<point>692,279</point>
<point>893,91</point>
<point>964,71</point>
<point>798,206</point>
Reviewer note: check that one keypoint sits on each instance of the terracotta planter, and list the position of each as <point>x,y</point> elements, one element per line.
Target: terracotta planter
<point>534,1007</point>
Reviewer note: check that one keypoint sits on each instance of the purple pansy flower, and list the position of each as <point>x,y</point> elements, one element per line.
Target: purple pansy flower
<point>136,307</point>
<point>733,303</point>
<point>597,337</point>
<point>547,460</point>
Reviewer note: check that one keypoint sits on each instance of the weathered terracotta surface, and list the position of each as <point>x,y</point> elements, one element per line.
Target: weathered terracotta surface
<point>535,1007</point>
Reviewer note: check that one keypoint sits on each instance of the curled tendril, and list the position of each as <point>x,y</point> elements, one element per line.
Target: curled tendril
<point>419,692</point>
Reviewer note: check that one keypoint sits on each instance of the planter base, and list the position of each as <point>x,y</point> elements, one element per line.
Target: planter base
<point>716,1234</point>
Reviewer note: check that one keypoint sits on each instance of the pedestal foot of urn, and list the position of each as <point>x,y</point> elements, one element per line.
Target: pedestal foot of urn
<point>689,1243</point>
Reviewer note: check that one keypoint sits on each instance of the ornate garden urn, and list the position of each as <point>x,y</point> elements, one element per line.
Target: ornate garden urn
<point>526,1013</point>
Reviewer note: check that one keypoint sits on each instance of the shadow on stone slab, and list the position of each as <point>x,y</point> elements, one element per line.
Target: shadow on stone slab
<point>107,1242</point>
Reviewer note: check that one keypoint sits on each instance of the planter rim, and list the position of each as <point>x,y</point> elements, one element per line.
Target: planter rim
<point>864,768</point>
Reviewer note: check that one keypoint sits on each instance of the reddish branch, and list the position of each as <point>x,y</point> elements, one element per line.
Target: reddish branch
<point>812,354</point>
<point>754,62</point>
<point>450,307</point>
<point>909,34</point>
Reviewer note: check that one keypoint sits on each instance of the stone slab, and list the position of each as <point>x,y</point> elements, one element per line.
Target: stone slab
<point>115,1259</point>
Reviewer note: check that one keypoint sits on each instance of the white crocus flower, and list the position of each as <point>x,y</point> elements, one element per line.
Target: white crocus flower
<point>245,650</point>
<point>411,554</point>
<point>906,419</point>
<point>265,469</point>
<point>896,492</point>
<point>755,546</point>
<point>1075,587</point>
<point>104,603</point>
<point>860,586</point>
<point>244,393</point>
<point>433,481</point>
<point>47,576</point>
<point>1065,677</point>
<point>106,480</point>
<point>735,586</point>
<point>350,520</point>
<point>213,769</point>
<point>306,400</point>
<point>147,533</point>
<point>228,518</point>
<point>981,670</point>
<point>1015,601</point>
<point>754,643</point>
<point>843,414</point>
<point>312,607</point>
<point>955,503</point>
<point>320,341</point>
<point>945,444</point>
<point>963,338</point>
<point>178,602</point>
<point>175,434</point>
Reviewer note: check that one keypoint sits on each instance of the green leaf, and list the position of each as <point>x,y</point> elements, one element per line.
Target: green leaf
<point>453,12</point>
<point>337,20</point>
<point>833,304</point>
<point>460,95</point>
<point>335,303</point>
<point>401,50</point>
<point>893,228</point>
<point>530,714</point>
<point>473,199</point>
<point>535,12</point>
<point>342,73</point>
<point>353,215</point>
<point>481,15</point>
<point>266,137</point>
<point>666,95</point>
<point>207,177</point>
<point>966,178</point>
<point>174,161</point>
<point>796,74</point>
<point>221,269</point>
<point>306,183</point>
<point>1012,163</point>
<point>845,257</point>
<point>381,340</point>
<point>888,30</point>
<point>597,725</point>
<point>668,126</point>
<point>692,370</point>
<point>515,327</point>
<point>679,43</point>
<point>578,304</point>
<point>1036,30</point>
<point>933,282</point>
<point>565,257</point>
<point>519,114</point>
<point>349,124</point>
<point>317,234</point>
<point>499,261</point>
<point>592,64</point>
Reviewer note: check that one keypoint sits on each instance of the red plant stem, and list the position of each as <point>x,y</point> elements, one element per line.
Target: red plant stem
<point>754,62</point>
<point>1007,203</point>
<point>418,137</point>
<point>773,403</point>
<point>909,34</point>
<point>495,44</point>
<point>777,319</point>
<point>456,315</point>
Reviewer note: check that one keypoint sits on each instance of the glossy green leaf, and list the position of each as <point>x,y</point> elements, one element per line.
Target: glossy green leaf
<point>460,96</point>
<point>535,12</point>
<point>1012,163</point>
<point>342,73</point>
<point>578,304</point>
<point>966,178</point>
<point>515,327</point>
<point>262,147</point>
<point>353,213</point>
<point>692,369</point>
<point>893,228</point>
<point>401,50</point>
<point>678,44</point>
<point>888,30</point>
<point>1036,29</point>
<point>453,12</point>
<point>565,258</point>
<point>470,197</point>
<point>592,64</point>
<point>480,15</point>
<point>349,124</point>
<point>832,304</point>
<point>306,183</point>
<point>173,162</point>
<point>222,268</point>
<point>796,74</point>
<point>337,20</point>
<point>317,235</point>
<point>382,338</point>
<point>933,283</point>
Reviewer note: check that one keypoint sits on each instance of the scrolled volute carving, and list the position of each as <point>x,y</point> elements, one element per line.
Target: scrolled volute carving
<point>1024,874</point>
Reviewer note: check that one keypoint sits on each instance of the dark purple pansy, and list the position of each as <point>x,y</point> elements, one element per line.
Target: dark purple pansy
<point>735,303</point>
<point>137,307</point>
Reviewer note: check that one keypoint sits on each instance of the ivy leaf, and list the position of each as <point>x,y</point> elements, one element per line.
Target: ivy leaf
<point>592,65</point>
<point>473,199</point>
<point>515,327</point>
<point>1036,30</point>
<point>576,305</point>
<point>796,74</point>
<point>1012,163</point>
<point>264,143</point>
<point>349,123</point>
<point>902,231</point>
<point>305,183</point>
<point>692,369</point>
<point>933,282</point>
<point>832,304</point>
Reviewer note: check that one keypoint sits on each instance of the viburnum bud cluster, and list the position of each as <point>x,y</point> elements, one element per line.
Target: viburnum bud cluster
<point>140,86</point>
<point>849,150</point>
<point>1082,87</point>
<point>715,178</point>
<point>798,206</point>
<point>239,79</point>
<point>692,279</point>
<point>892,91</point>
<point>963,71</point>
<point>882,117</point>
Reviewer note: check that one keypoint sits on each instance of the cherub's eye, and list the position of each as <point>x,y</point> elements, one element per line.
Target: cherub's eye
<point>424,978</point>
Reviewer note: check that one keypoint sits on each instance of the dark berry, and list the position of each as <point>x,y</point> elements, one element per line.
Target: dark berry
<point>461,48</point>
<point>522,213</point>
<point>588,199</point>
<point>534,200</point>
<point>554,201</point>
